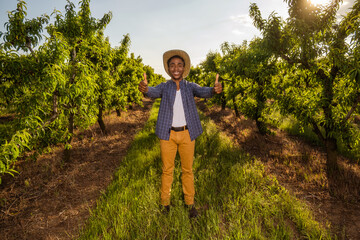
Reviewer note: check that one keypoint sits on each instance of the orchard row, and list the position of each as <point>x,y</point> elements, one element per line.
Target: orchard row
<point>306,67</point>
<point>67,82</point>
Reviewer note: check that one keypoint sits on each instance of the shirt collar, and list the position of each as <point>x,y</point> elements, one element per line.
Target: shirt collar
<point>181,82</point>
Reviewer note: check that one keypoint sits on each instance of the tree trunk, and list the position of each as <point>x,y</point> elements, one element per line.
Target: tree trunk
<point>261,127</point>
<point>237,114</point>
<point>223,98</point>
<point>332,167</point>
<point>67,151</point>
<point>101,121</point>
<point>118,113</point>
<point>71,116</point>
<point>223,104</point>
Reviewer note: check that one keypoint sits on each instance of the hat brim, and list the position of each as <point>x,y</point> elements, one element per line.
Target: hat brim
<point>167,55</point>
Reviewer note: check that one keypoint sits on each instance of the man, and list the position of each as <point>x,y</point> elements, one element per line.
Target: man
<point>178,123</point>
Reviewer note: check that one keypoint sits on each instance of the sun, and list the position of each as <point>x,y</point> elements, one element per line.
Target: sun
<point>320,2</point>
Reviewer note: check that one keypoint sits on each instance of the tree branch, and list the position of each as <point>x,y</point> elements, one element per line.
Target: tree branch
<point>321,74</point>
<point>293,61</point>
<point>28,45</point>
<point>353,108</point>
<point>55,112</point>
<point>317,130</point>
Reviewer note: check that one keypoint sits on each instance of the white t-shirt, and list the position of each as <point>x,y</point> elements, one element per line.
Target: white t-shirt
<point>178,111</point>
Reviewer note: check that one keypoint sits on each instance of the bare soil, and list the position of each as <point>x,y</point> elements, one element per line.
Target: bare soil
<point>300,168</point>
<point>50,198</point>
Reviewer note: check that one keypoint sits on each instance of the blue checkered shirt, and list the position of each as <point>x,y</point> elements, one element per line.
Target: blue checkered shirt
<point>167,92</point>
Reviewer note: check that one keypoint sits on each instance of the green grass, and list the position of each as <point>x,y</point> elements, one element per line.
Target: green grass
<point>236,200</point>
<point>292,126</point>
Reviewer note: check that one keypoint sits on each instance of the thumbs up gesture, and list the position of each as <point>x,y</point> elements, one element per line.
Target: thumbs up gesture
<point>143,85</point>
<point>217,87</point>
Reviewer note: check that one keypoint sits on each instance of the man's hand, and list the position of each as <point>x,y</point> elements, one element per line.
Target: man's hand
<point>143,85</point>
<point>217,87</point>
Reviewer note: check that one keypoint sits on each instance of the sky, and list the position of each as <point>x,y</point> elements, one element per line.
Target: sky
<point>155,26</point>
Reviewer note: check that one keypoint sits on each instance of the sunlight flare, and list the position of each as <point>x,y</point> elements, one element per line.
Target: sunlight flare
<point>320,2</point>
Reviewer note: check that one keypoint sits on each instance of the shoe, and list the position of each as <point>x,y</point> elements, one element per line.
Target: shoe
<point>193,213</point>
<point>165,209</point>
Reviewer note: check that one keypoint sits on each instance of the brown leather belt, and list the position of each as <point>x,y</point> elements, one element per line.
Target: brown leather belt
<point>179,129</point>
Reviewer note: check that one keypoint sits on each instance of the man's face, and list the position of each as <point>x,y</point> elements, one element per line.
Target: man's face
<point>176,69</point>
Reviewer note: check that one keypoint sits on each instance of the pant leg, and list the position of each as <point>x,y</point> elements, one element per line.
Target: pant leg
<point>168,153</point>
<point>186,151</point>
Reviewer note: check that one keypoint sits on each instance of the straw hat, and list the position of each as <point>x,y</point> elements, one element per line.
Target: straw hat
<point>167,55</point>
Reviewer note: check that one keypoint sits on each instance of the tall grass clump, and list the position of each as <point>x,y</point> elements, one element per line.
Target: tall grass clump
<point>236,200</point>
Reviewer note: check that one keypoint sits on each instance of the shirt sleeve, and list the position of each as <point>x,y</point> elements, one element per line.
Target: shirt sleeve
<point>202,92</point>
<point>155,92</point>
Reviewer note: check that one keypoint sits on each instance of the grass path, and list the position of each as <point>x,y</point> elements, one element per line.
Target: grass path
<point>236,200</point>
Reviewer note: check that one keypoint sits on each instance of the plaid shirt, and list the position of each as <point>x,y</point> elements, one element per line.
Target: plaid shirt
<point>167,92</point>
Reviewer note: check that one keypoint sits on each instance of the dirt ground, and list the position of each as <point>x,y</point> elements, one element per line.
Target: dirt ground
<point>300,168</point>
<point>51,199</point>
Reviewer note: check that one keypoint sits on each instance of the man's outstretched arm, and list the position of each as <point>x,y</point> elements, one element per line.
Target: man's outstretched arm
<point>208,92</point>
<point>152,92</point>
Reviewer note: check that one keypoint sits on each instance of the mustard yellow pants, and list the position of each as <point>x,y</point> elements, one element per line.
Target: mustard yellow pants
<point>178,141</point>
